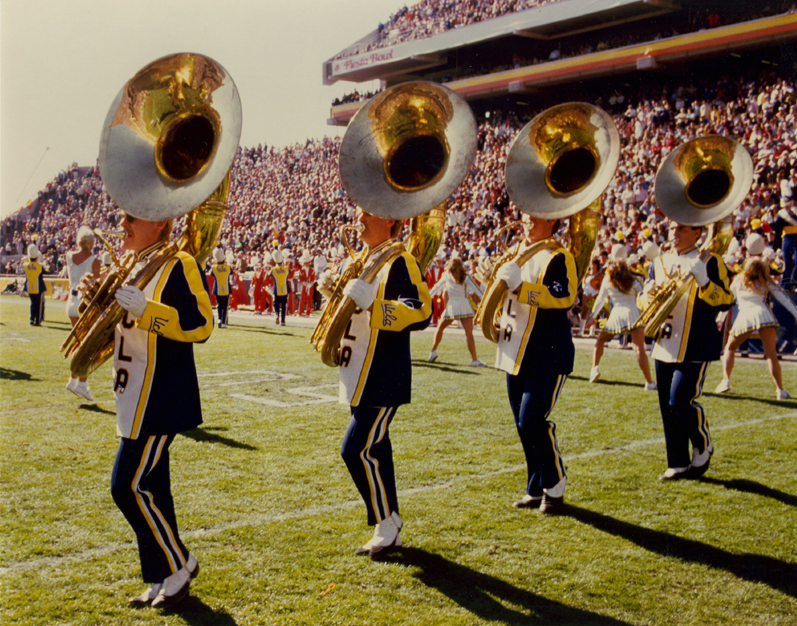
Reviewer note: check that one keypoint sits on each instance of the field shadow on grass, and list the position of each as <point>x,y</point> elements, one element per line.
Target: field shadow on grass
<point>611,383</point>
<point>93,408</point>
<point>197,613</point>
<point>262,329</point>
<point>486,596</point>
<point>203,434</point>
<point>56,325</point>
<point>442,367</point>
<point>789,404</point>
<point>7,374</point>
<point>750,486</point>
<point>755,568</point>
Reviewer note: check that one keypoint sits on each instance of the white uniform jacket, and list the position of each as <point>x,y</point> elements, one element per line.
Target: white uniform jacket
<point>155,380</point>
<point>375,360</point>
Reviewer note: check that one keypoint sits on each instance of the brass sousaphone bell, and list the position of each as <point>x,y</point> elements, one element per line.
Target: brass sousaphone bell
<point>558,166</point>
<point>166,150</point>
<point>700,183</point>
<point>403,154</point>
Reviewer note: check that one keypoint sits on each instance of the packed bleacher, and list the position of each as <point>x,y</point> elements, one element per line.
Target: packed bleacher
<point>292,197</point>
<point>432,17</point>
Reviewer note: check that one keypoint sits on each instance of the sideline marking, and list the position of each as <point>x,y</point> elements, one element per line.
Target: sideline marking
<point>55,561</point>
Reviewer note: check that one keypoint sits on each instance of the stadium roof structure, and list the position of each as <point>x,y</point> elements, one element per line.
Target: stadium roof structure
<point>427,59</point>
<point>567,17</point>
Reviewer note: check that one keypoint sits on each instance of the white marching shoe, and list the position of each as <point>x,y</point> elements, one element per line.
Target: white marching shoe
<point>148,596</point>
<point>81,388</point>
<point>783,395</point>
<point>173,590</point>
<point>594,374</point>
<point>432,356</point>
<point>477,363</point>
<point>651,386</point>
<point>386,537</point>
<point>725,385</point>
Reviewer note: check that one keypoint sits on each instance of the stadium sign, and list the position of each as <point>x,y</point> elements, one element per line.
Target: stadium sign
<point>368,59</point>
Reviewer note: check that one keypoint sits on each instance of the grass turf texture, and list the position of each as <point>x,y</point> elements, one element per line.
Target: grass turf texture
<point>266,504</point>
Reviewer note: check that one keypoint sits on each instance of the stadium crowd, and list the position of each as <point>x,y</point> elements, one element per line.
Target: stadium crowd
<point>292,199</point>
<point>432,17</point>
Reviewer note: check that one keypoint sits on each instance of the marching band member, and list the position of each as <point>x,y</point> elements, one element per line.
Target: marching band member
<point>535,349</point>
<point>282,286</point>
<point>222,273</point>
<point>375,376</point>
<point>262,297</point>
<point>34,285</point>
<point>79,263</point>
<point>157,397</point>
<point>752,289</point>
<point>684,347</point>
<point>306,276</point>
<point>620,287</point>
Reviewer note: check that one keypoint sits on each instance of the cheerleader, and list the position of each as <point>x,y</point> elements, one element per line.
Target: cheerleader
<point>458,307</point>
<point>621,287</point>
<point>752,290</point>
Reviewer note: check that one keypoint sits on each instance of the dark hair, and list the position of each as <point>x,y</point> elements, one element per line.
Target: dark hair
<point>620,276</point>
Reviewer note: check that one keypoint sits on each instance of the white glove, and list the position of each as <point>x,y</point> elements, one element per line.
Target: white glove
<point>361,292</point>
<point>510,274</point>
<point>132,299</point>
<point>697,268</point>
<point>326,283</point>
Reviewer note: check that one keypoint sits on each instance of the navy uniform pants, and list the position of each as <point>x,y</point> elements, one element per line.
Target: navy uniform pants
<point>141,488</point>
<point>368,455</point>
<point>223,303</point>
<point>280,306</point>
<point>36,308</point>
<point>532,399</point>
<point>680,384</point>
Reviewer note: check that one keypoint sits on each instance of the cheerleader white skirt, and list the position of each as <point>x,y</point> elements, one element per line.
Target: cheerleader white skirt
<point>457,309</point>
<point>622,320</point>
<point>753,318</point>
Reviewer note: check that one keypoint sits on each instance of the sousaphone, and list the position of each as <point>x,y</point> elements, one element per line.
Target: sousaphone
<point>403,154</point>
<point>558,166</point>
<point>166,149</point>
<point>700,183</point>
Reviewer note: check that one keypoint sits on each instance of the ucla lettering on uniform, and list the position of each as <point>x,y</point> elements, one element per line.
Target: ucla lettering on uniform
<point>122,356</point>
<point>345,356</point>
<point>157,324</point>
<point>531,295</point>
<point>121,380</point>
<point>127,322</point>
<point>388,314</point>
<point>347,334</point>
<point>666,331</point>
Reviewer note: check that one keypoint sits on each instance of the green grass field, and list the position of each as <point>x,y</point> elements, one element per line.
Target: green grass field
<point>266,504</point>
